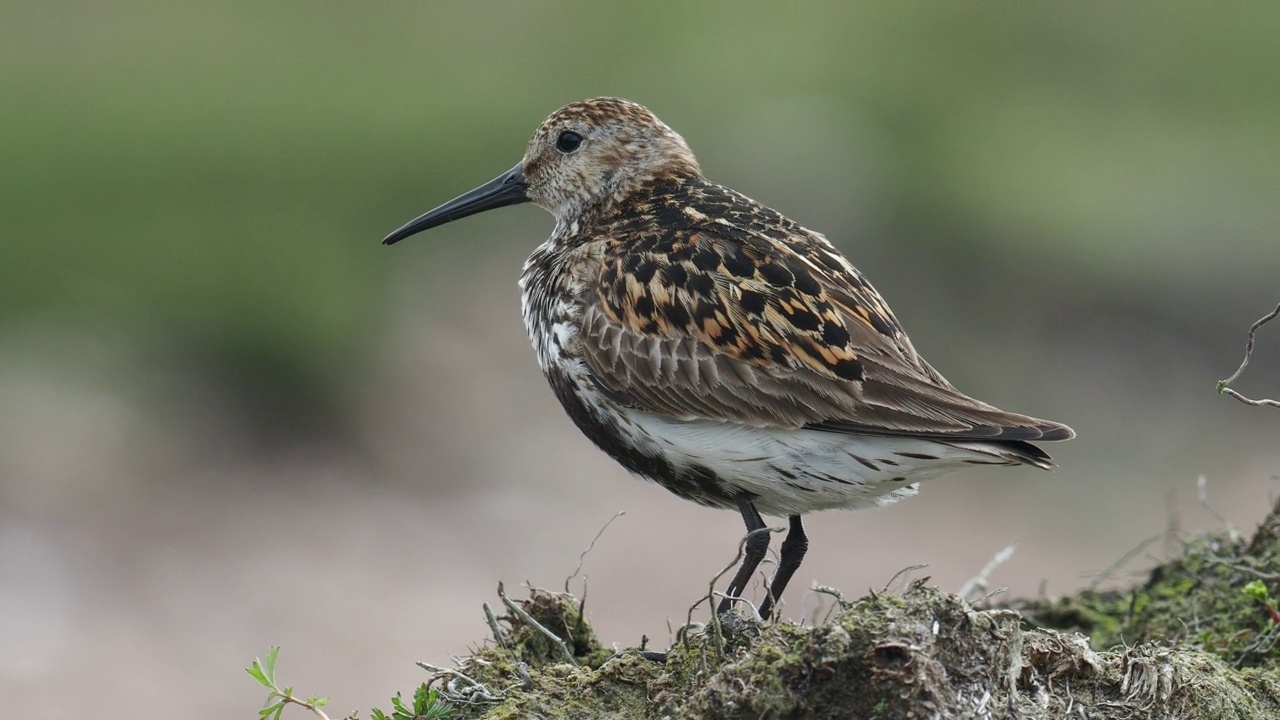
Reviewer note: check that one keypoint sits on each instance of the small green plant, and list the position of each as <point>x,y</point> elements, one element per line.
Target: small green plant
<point>427,705</point>
<point>1258,591</point>
<point>277,698</point>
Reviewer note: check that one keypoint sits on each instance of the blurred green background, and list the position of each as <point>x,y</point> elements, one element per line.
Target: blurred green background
<point>204,350</point>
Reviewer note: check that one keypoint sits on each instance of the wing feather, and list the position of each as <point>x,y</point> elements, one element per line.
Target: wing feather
<point>722,322</point>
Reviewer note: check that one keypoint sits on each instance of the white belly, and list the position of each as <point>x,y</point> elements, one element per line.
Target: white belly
<point>798,471</point>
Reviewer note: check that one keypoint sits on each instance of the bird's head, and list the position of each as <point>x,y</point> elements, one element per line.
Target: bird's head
<point>585,157</point>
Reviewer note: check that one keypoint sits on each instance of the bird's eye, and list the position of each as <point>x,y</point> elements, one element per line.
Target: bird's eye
<point>568,141</point>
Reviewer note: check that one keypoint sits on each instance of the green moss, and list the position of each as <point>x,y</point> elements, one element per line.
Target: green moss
<point>1198,599</point>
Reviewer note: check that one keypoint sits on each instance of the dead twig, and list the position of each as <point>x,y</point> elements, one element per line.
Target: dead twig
<point>978,583</point>
<point>840,603</point>
<point>1108,572</point>
<point>582,557</point>
<point>1202,492</point>
<point>1224,385</point>
<point>498,636</point>
<point>737,558</point>
<point>983,600</point>
<point>471,692</point>
<point>711,589</point>
<point>520,613</point>
<point>725,596</point>
<point>900,573</point>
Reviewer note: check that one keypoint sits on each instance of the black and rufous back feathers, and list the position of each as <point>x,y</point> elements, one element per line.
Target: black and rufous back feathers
<point>711,306</point>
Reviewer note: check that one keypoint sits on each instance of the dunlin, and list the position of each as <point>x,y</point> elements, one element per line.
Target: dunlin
<point>718,348</point>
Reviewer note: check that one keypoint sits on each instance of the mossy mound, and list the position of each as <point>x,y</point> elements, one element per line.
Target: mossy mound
<point>921,654</point>
<point>1200,647</point>
<point>1219,595</point>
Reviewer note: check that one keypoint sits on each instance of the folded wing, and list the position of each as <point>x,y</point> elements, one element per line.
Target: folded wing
<point>719,322</point>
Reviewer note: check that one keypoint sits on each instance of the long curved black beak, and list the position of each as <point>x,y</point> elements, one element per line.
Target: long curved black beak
<point>506,189</point>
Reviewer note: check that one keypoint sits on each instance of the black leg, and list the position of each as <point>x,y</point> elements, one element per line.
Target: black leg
<point>757,546</point>
<point>789,558</point>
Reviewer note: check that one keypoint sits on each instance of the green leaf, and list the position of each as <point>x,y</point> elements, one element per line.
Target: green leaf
<point>1256,590</point>
<point>272,652</point>
<point>377,714</point>
<point>272,711</point>
<point>256,672</point>
<point>421,697</point>
<point>428,705</point>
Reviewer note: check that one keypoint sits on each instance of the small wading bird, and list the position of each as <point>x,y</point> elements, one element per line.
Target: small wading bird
<point>719,349</point>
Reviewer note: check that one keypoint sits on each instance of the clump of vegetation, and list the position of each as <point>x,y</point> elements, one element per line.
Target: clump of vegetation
<point>426,704</point>
<point>1197,640</point>
<point>1219,595</point>
<point>264,671</point>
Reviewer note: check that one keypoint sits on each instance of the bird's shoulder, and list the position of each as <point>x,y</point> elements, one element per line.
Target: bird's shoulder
<point>700,260</point>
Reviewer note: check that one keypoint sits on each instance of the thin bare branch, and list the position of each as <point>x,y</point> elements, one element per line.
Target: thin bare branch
<point>288,698</point>
<point>900,573</point>
<point>1202,492</point>
<point>498,636</point>
<point>583,556</point>
<point>711,587</point>
<point>472,693</point>
<point>1110,570</point>
<point>979,582</point>
<point>1224,385</point>
<point>840,603</point>
<point>520,613</point>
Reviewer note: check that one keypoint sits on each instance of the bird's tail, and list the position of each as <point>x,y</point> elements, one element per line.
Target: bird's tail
<point>1009,452</point>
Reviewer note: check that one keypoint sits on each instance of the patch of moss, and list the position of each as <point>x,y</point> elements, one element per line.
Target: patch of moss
<point>527,675</point>
<point>1198,599</point>
<point>886,655</point>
